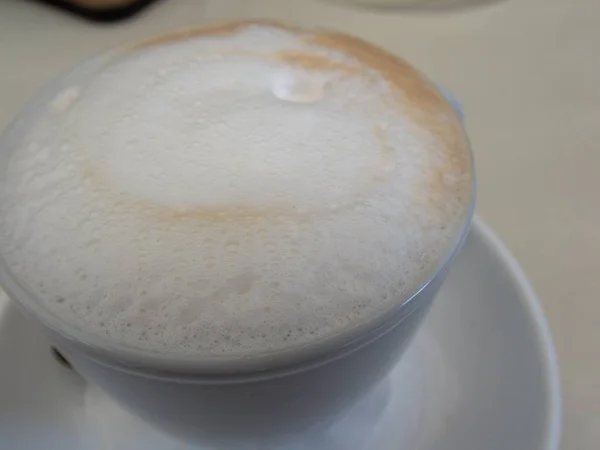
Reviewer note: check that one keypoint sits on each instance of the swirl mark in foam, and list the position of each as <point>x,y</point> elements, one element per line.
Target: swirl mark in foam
<point>181,203</point>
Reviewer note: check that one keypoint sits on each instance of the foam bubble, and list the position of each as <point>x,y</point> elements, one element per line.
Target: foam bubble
<point>299,88</point>
<point>241,192</point>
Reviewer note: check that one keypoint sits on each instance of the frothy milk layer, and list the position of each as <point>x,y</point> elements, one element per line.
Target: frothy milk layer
<point>238,190</point>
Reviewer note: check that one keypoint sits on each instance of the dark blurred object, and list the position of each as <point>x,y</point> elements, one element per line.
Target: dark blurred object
<point>101,10</point>
<point>60,358</point>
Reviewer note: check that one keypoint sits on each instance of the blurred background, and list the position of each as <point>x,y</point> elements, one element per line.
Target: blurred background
<point>527,73</point>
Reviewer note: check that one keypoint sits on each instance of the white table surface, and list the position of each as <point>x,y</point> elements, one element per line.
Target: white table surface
<point>528,73</point>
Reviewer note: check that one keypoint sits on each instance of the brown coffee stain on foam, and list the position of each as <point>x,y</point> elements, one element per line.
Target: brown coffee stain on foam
<point>217,29</point>
<point>239,213</point>
<point>171,214</point>
<point>423,104</point>
<point>417,99</point>
<point>296,58</point>
<point>399,75</point>
<point>311,61</point>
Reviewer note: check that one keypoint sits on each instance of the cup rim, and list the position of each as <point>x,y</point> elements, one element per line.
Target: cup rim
<point>108,352</point>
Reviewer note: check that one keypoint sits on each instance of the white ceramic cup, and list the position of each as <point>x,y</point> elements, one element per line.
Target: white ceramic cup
<point>247,403</point>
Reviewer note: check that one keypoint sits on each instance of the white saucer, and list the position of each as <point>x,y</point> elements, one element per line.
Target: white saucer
<point>480,375</point>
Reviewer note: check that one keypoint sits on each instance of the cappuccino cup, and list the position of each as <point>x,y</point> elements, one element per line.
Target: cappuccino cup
<point>234,231</point>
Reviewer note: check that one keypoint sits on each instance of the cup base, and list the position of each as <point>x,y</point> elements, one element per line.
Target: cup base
<point>418,390</point>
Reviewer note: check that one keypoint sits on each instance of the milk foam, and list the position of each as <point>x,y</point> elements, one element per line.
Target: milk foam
<point>234,193</point>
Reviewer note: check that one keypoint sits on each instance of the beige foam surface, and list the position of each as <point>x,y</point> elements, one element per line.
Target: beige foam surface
<point>245,188</point>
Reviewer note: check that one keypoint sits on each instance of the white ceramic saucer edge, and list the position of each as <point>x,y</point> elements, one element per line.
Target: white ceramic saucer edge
<point>542,328</point>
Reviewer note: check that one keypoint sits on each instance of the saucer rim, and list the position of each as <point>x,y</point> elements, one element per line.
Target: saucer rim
<point>533,306</point>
